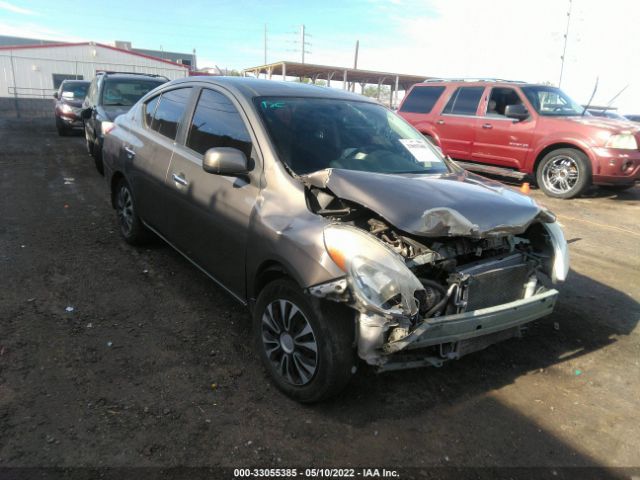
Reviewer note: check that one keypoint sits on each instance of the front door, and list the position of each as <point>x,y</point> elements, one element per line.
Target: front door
<point>210,213</point>
<point>501,140</point>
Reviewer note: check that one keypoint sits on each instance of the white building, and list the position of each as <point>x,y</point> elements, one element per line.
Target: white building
<point>35,71</point>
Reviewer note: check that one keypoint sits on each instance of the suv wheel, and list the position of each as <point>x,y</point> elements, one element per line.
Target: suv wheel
<point>306,345</point>
<point>61,127</point>
<point>564,173</point>
<point>131,226</point>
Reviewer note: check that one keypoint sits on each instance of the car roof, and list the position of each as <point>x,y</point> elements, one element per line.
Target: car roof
<point>480,83</point>
<point>250,87</point>
<point>139,76</point>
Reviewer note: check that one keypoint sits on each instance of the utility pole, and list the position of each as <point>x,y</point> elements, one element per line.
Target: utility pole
<point>302,40</point>
<point>564,49</point>
<point>265,43</point>
<point>355,60</point>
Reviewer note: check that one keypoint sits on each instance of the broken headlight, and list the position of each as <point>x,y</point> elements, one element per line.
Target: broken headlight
<point>560,267</point>
<point>378,276</point>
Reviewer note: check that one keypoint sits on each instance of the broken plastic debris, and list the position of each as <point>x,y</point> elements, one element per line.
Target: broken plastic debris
<point>578,372</point>
<point>69,309</point>
<point>556,326</point>
<point>22,246</point>
<point>145,271</point>
<point>89,325</point>
<point>68,180</point>
<point>109,344</point>
<point>214,386</point>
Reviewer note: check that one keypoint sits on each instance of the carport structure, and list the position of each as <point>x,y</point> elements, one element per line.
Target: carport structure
<point>347,76</point>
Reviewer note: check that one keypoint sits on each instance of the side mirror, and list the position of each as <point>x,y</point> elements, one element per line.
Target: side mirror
<point>517,112</point>
<point>225,161</point>
<point>55,95</point>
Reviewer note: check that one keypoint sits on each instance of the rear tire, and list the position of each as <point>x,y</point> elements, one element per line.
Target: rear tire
<point>305,344</point>
<point>564,173</point>
<point>131,227</point>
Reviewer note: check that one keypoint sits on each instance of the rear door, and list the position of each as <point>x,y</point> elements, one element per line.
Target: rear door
<point>456,124</point>
<point>147,157</point>
<point>210,213</point>
<point>501,140</point>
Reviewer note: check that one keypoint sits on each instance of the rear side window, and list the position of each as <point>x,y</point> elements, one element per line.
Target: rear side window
<point>217,123</point>
<point>149,110</point>
<point>169,112</point>
<point>422,99</point>
<point>464,101</point>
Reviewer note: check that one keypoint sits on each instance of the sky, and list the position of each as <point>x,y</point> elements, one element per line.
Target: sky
<point>512,39</point>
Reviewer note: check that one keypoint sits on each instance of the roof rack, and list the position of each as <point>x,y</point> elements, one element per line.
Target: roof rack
<point>113,72</point>
<point>471,79</point>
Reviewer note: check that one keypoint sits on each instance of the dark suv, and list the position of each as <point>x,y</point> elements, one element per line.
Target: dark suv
<point>519,129</point>
<point>112,94</point>
<point>68,106</point>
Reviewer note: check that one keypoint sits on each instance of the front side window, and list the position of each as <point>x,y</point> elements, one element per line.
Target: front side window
<point>551,101</point>
<point>169,111</point>
<point>124,93</point>
<point>464,101</point>
<point>421,99</point>
<point>312,134</point>
<point>217,123</point>
<point>499,99</point>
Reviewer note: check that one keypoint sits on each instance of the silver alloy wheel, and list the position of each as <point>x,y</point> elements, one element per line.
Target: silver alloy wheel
<point>560,174</point>
<point>289,342</point>
<point>124,206</point>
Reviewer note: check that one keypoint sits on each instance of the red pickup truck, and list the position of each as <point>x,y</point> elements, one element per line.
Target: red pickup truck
<point>519,129</point>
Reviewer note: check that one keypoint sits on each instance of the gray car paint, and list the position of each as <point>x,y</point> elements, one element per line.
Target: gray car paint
<point>281,232</point>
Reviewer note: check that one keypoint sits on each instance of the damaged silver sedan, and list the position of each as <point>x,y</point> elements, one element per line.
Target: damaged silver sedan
<point>346,234</point>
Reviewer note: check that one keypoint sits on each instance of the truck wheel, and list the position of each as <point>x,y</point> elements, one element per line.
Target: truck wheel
<point>564,173</point>
<point>306,345</point>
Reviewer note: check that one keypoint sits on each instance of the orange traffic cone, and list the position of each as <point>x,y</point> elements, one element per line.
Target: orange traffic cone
<point>525,188</point>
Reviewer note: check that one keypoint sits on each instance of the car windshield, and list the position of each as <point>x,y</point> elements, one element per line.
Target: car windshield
<point>126,92</point>
<point>551,101</point>
<point>79,90</point>
<point>312,134</point>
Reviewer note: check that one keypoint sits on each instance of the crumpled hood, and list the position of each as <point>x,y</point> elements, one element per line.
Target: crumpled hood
<point>453,204</point>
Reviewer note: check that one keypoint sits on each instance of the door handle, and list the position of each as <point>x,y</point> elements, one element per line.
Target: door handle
<point>130,152</point>
<point>440,122</point>
<point>487,126</point>
<point>180,180</point>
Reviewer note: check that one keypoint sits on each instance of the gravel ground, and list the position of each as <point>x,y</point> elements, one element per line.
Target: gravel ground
<point>116,356</point>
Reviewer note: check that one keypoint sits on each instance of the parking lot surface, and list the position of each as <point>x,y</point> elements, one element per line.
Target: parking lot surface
<point>118,356</point>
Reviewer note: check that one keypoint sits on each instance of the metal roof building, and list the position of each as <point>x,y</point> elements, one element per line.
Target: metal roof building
<point>35,71</point>
<point>347,77</point>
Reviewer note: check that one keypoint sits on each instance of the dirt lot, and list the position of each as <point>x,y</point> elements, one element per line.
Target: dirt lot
<point>152,365</point>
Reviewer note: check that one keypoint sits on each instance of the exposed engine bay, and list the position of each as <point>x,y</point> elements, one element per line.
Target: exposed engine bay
<point>460,275</point>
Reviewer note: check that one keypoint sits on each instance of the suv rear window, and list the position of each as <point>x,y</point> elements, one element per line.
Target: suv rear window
<point>464,101</point>
<point>125,93</point>
<point>421,99</point>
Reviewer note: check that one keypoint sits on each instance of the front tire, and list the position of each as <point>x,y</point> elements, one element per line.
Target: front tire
<point>306,345</point>
<point>63,131</point>
<point>131,227</point>
<point>564,173</point>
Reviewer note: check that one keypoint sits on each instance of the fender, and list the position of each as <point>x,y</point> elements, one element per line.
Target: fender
<point>562,140</point>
